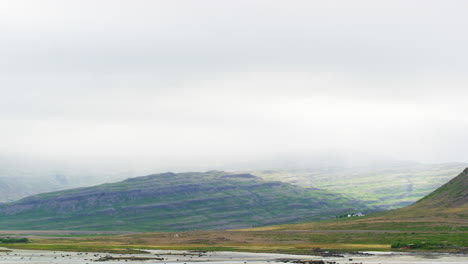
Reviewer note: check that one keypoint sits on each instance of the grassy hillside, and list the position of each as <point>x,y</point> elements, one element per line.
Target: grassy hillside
<point>449,201</point>
<point>387,187</point>
<point>435,223</point>
<point>184,201</point>
<point>445,209</point>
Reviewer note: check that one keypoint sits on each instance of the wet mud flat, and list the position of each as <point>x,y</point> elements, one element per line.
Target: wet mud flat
<point>189,257</point>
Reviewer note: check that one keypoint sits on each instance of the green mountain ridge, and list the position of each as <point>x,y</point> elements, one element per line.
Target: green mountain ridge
<point>386,186</point>
<point>174,202</point>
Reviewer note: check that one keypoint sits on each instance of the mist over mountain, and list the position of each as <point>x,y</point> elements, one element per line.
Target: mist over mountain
<point>20,177</point>
<point>448,201</point>
<point>94,89</point>
<point>443,210</point>
<point>380,182</point>
<point>385,185</point>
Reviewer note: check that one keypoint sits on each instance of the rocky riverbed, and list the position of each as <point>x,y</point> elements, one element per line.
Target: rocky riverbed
<point>185,257</point>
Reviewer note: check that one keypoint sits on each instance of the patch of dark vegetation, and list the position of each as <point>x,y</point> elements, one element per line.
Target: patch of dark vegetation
<point>245,176</point>
<point>420,245</point>
<point>10,240</point>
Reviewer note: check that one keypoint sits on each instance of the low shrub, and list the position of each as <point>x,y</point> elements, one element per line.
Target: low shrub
<point>14,240</point>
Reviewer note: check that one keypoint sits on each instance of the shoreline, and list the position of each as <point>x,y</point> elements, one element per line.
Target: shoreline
<point>223,257</point>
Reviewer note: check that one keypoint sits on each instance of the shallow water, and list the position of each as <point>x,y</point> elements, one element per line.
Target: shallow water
<point>185,257</point>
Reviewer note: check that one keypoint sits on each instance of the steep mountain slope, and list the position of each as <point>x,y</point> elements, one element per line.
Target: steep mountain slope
<point>184,201</point>
<point>445,209</point>
<point>450,200</point>
<point>386,186</point>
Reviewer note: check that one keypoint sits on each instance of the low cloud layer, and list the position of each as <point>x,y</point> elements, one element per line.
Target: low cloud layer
<point>209,84</point>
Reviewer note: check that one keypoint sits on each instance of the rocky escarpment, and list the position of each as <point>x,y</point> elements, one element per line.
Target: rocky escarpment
<point>168,201</point>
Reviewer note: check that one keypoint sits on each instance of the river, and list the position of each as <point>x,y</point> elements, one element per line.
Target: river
<point>17,256</point>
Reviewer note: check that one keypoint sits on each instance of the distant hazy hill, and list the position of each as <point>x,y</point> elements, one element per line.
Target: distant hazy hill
<point>21,179</point>
<point>445,209</point>
<point>184,201</point>
<point>16,186</point>
<point>448,201</point>
<point>386,186</point>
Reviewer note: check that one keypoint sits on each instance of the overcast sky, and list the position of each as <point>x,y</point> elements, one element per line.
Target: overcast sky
<point>189,85</point>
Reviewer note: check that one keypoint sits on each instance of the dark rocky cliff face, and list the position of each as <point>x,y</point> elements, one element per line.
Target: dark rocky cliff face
<point>184,201</point>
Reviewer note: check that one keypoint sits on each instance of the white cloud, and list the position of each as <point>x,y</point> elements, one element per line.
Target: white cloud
<point>212,83</point>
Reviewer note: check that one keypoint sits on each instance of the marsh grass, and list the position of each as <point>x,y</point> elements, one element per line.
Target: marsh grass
<point>296,242</point>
